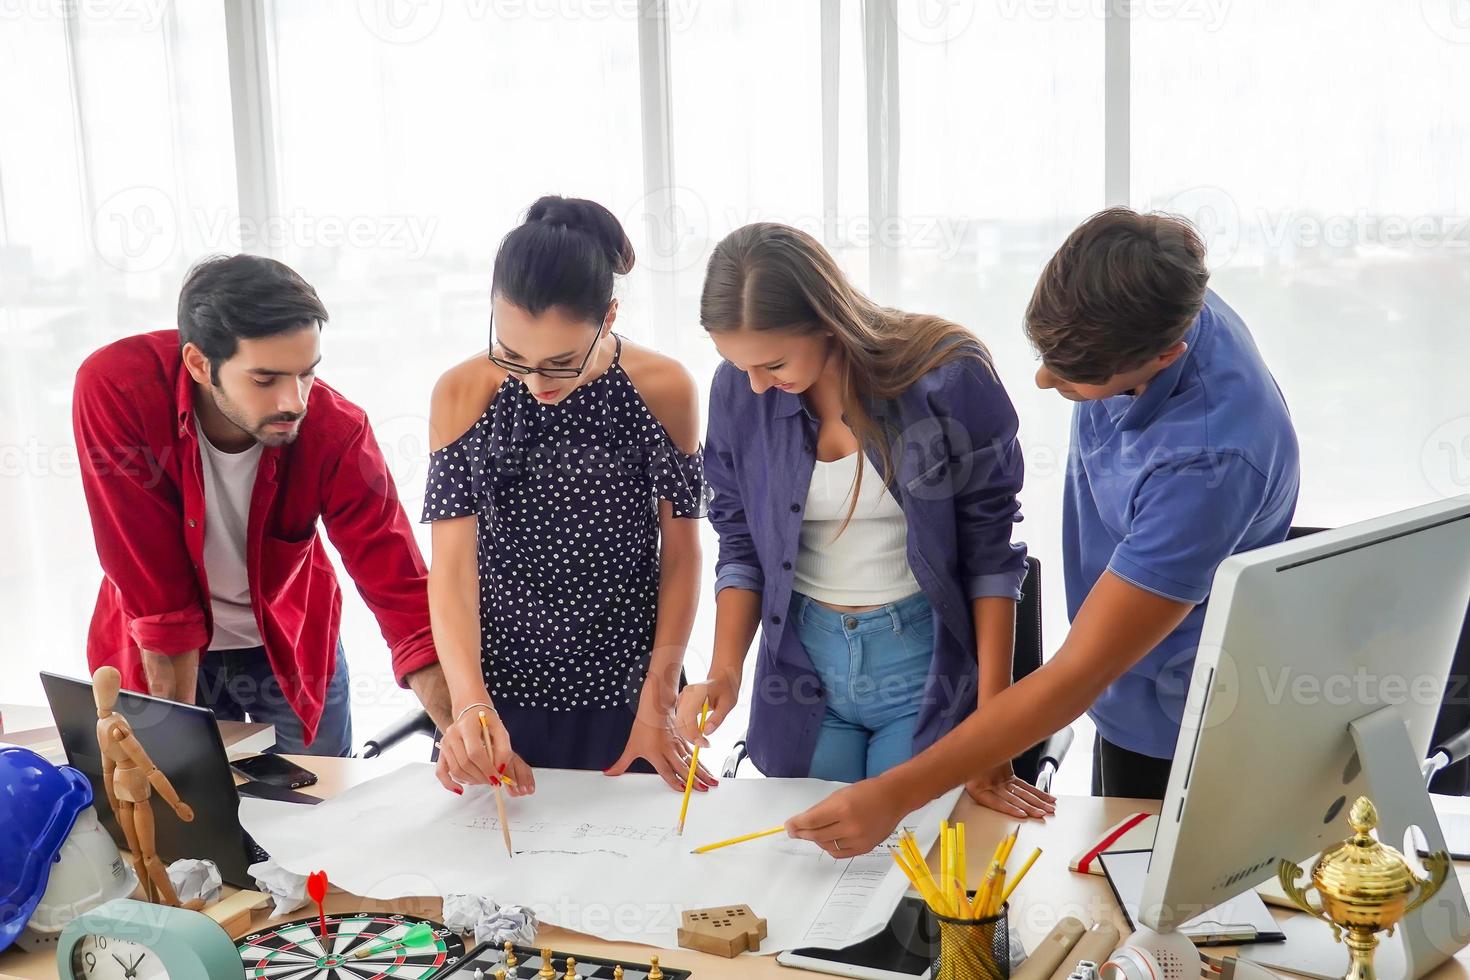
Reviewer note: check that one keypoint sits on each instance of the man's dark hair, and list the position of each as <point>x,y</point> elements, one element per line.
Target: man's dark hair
<point>1124,287</point>
<point>227,298</point>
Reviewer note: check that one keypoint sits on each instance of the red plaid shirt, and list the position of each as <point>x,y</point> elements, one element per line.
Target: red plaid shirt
<point>132,414</point>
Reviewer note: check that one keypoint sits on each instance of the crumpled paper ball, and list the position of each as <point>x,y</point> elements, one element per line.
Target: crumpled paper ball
<point>195,880</point>
<point>491,923</point>
<point>286,888</point>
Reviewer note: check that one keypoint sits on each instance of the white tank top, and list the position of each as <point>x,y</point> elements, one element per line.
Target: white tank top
<point>867,565</point>
<point>229,480</point>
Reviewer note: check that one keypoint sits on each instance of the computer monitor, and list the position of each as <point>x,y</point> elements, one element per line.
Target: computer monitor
<point>1321,666</point>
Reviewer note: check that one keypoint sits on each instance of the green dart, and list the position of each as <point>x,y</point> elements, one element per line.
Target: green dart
<point>419,935</point>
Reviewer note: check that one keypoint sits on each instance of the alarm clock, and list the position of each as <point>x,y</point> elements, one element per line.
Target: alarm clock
<point>130,940</point>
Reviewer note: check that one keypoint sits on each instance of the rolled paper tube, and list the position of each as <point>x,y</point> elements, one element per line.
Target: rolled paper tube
<point>1097,944</point>
<point>1052,951</point>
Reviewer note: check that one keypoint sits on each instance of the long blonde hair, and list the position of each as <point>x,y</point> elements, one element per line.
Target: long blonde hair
<point>769,276</point>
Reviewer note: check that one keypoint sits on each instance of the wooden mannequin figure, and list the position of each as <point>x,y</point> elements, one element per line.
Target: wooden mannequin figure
<point>130,778</point>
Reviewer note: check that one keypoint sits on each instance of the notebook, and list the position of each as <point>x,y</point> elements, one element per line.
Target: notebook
<point>1243,919</point>
<point>1134,832</point>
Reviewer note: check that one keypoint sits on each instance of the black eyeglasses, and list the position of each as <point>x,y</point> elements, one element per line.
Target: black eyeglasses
<point>548,372</point>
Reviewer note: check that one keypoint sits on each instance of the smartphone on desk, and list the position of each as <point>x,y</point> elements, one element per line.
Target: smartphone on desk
<point>275,771</point>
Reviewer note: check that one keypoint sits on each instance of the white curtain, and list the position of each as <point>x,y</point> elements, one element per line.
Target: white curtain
<point>942,150</point>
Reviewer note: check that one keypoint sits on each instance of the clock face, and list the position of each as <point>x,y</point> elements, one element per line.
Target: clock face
<point>105,958</point>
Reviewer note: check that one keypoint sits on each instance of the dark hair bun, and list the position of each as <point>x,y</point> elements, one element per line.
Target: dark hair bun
<point>588,218</point>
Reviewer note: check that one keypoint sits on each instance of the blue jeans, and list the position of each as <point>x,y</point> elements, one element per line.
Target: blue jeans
<point>237,683</point>
<point>872,666</point>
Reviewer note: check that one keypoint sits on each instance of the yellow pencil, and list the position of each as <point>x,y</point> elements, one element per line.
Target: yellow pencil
<point>931,887</point>
<point>938,880</point>
<point>1010,842</point>
<point>911,844</point>
<point>946,864</point>
<point>962,862</point>
<point>997,858</point>
<point>920,879</point>
<point>942,875</point>
<point>919,875</point>
<point>693,767</point>
<point>499,793</point>
<point>901,859</point>
<point>1020,874</point>
<point>995,892</point>
<point>982,897</point>
<point>739,840</point>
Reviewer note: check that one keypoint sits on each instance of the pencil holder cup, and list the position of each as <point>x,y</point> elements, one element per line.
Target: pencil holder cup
<point>973,949</point>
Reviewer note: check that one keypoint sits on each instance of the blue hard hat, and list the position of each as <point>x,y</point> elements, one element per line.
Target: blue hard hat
<point>39,802</point>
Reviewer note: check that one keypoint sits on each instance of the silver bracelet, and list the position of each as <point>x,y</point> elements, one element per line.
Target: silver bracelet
<point>477,704</point>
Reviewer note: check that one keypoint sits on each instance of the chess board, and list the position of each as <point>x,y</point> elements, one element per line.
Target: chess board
<point>490,958</point>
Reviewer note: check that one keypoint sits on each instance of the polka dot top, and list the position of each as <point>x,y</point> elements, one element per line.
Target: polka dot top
<point>566,498</point>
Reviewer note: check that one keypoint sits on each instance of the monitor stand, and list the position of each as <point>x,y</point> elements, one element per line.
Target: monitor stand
<point>1426,937</point>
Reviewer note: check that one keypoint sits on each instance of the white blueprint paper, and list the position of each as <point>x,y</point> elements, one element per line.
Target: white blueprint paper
<point>595,854</point>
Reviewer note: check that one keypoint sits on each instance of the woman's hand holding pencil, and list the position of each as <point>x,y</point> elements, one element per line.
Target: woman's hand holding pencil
<point>472,753</point>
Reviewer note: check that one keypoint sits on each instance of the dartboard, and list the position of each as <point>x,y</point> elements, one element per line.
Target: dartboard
<point>294,951</point>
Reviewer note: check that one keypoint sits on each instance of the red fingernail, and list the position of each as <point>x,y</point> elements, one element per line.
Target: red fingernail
<point>502,769</point>
<point>459,790</point>
<point>494,781</point>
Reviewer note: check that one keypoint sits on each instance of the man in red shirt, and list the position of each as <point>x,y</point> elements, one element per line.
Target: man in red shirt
<point>208,455</point>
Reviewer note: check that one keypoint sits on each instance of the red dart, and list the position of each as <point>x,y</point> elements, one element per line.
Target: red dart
<point>316,887</point>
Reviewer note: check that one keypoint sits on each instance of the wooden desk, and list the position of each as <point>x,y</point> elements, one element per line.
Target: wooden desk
<point>239,737</point>
<point>1049,893</point>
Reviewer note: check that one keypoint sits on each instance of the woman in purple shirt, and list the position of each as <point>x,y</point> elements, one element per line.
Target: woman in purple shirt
<point>864,467</point>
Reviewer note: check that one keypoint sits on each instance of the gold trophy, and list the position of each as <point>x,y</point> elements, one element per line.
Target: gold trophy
<point>1366,888</point>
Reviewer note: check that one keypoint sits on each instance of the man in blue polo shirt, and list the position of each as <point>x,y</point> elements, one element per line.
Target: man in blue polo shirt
<point>1183,454</point>
<point>1175,464</point>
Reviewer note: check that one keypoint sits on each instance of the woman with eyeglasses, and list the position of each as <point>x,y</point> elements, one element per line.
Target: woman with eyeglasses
<point>565,491</point>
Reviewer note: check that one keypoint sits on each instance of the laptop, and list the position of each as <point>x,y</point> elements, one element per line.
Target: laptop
<point>183,741</point>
